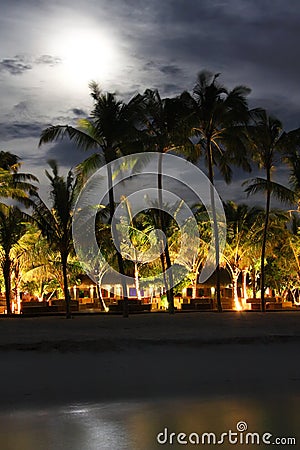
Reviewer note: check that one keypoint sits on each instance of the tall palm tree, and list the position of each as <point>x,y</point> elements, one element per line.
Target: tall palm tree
<point>291,156</point>
<point>109,131</point>
<point>165,130</point>
<point>55,223</point>
<point>218,122</point>
<point>12,228</point>
<point>268,140</point>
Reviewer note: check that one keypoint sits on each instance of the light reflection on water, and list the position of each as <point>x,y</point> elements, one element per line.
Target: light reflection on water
<point>135,425</point>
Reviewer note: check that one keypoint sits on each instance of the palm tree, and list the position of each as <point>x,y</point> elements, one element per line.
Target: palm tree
<point>55,223</point>
<point>218,122</point>
<point>15,185</point>
<point>242,228</point>
<point>180,242</point>
<point>109,131</point>
<point>9,161</point>
<point>39,266</point>
<point>268,139</point>
<point>20,256</point>
<point>164,121</point>
<point>291,156</point>
<point>12,228</point>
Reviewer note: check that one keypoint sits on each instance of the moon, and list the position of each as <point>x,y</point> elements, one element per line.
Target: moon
<point>85,55</point>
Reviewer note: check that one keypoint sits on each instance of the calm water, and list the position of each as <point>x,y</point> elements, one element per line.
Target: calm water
<point>135,426</point>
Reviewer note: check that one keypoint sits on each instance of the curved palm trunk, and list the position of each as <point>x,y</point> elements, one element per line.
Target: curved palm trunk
<point>215,225</point>
<point>100,296</point>
<point>64,258</point>
<point>119,256</point>
<point>263,248</point>
<point>235,273</point>
<point>168,279</point>
<point>7,282</point>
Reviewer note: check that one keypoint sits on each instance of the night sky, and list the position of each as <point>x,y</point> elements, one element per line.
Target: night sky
<point>49,51</point>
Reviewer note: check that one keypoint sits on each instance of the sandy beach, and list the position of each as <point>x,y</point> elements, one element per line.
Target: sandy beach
<point>105,382</point>
<point>98,358</point>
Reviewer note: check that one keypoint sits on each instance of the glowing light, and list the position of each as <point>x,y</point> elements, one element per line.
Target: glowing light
<point>237,305</point>
<point>86,54</point>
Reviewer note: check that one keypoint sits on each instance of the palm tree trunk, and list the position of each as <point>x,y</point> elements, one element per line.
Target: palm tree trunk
<point>119,256</point>
<point>100,296</point>
<point>253,282</point>
<point>17,286</point>
<point>162,224</point>
<point>244,286</point>
<point>235,277</point>
<point>137,282</point>
<point>215,224</point>
<point>263,249</point>
<point>7,282</point>
<point>136,268</point>
<point>64,259</point>
<point>194,288</point>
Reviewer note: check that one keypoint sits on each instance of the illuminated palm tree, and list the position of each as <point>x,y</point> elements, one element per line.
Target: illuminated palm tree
<point>12,228</point>
<point>165,131</point>
<point>218,122</point>
<point>243,226</point>
<point>55,223</point>
<point>111,131</point>
<point>268,140</point>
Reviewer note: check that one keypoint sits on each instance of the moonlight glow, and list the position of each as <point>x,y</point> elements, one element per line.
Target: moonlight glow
<point>85,55</point>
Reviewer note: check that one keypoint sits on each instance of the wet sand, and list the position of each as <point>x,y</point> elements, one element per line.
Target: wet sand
<point>53,361</point>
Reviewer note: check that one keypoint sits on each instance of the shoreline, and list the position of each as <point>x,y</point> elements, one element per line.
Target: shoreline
<point>197,327</point>
<point>48,361</point>
<point>99,346</point>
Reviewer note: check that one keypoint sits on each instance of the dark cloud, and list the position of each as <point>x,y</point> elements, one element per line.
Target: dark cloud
<point>66,153</point>
<point>19,64</point>
<point>285,109</point>
<point>251,42</point>
<point>19,130</point>
<point>15,66</point>
<point>48,60</point>
<point>170,69</point>
<point>78,112</point>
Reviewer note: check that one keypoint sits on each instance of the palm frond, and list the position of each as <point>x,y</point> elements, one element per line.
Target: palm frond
<point>81,138</point>
<point>89,165</point>
<point>279,191</point>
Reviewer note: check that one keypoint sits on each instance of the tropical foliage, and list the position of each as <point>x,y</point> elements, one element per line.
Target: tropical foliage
<point>211,126</point>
